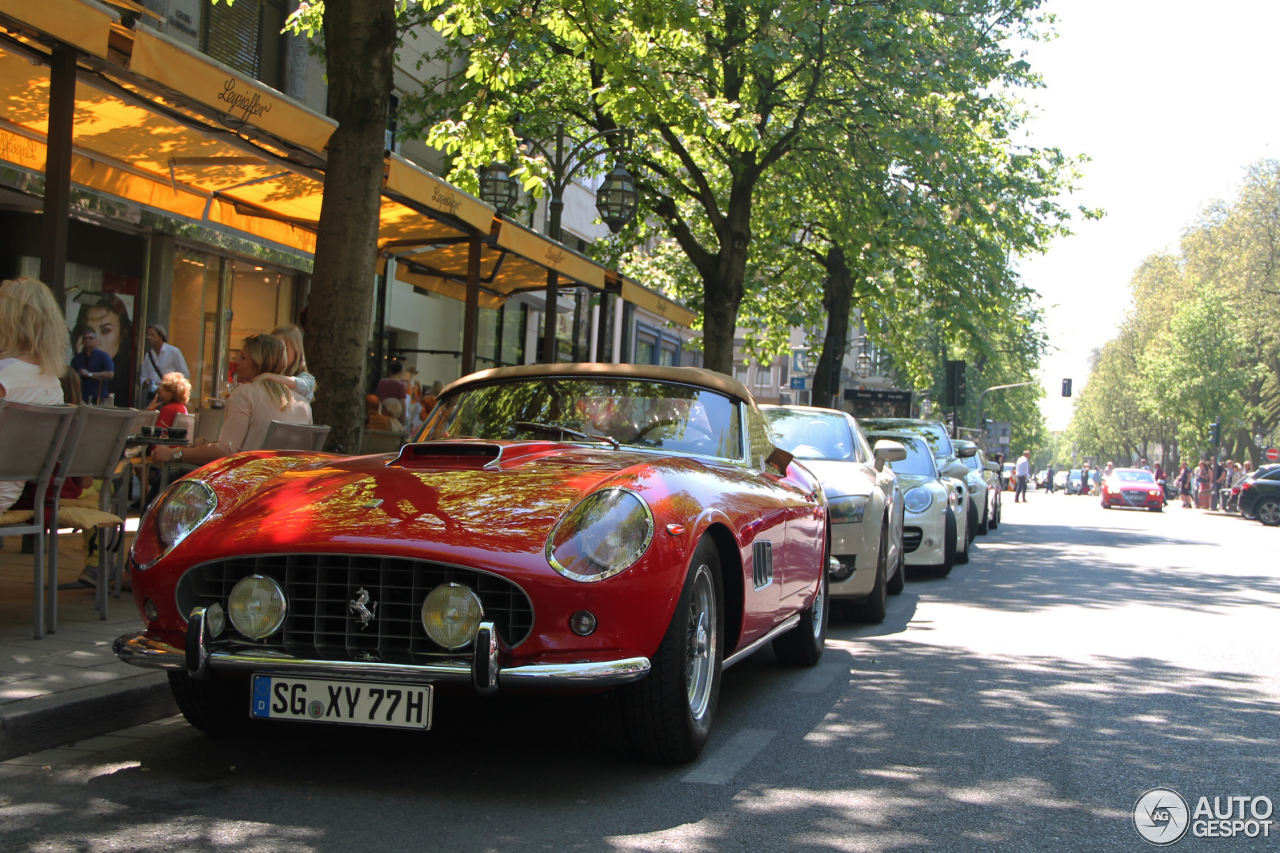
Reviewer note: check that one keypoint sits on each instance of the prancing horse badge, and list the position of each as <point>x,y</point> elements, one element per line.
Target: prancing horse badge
<point>364,608</point>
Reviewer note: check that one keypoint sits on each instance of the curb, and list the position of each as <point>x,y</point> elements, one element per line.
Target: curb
<point>49,721</point>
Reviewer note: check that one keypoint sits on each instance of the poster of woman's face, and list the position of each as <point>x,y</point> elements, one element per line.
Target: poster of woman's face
<point>109,316</point>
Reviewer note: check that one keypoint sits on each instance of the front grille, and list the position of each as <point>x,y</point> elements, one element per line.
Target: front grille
<point>320,587</point>
<point>911,537</point>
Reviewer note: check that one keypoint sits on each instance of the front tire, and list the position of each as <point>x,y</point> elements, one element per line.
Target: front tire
<point>804,644</point>
<point>668,714</point>
<point>898,579</point>
<point>985,524</point>
<point>875,606</point>
<point>218,708</point>
<point>1268,512</point>
<point>995,517</point>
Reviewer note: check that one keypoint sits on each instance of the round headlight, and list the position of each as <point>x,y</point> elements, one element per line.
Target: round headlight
<point>451,615</point>
<point>187,506</point>
<point>603,535</point>
<point>918,500</point>
<point>257,607</point>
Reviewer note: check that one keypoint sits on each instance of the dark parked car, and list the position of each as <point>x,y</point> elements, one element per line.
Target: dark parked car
<point>1260,496</point>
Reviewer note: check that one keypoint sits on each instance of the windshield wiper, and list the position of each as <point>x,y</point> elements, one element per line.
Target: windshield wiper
<point>564,430</point>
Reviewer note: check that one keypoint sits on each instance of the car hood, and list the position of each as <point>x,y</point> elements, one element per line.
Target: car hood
<point>907,482</point>
<point>841,478</point>
<point>448,505</point>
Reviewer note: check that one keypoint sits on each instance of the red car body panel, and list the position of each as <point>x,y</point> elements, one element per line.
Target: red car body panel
<point>1114,493</point>
<point>497,518</point>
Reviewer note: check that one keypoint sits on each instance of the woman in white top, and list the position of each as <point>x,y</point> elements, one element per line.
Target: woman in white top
<point>33,342</point>
<point>256,402</point>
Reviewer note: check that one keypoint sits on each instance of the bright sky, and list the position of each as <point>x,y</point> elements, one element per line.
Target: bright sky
<point>1171,100</point>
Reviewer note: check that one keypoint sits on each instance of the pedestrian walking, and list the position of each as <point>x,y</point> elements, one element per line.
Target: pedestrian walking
<point>1022,470</point>
<point>95,369</point>
<point>1049,479</point>
<point>1203,484</point>
<point>161,359</point>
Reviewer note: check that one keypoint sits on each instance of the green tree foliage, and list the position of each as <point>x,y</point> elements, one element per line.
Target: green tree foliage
<point>1201,340</point>
<point>749,115</point>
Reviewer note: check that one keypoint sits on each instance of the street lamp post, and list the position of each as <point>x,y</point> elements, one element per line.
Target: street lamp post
<point>996,388</point>
<point>616,201</point>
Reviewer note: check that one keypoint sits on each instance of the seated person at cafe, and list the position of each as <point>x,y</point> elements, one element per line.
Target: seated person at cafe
<point>374,418</point>
<point>171,398</point>
<point>253,405</point>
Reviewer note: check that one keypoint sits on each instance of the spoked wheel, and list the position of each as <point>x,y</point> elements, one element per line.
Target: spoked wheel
<point>1269,512</point>
<point>668,713</point>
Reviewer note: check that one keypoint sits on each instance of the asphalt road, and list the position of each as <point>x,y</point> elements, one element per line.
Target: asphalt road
<point>1023,703</point>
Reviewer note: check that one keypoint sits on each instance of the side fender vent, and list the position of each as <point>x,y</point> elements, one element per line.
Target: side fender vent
<point>762,564</point>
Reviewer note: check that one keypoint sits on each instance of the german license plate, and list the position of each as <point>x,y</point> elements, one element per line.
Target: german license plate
<point>361,703</point>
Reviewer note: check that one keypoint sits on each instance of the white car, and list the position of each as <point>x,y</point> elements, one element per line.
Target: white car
<point>863,500</point>
<point>983,486</point>
<point>933,504</point>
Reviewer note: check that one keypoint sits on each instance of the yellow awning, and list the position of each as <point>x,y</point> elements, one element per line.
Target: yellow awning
<point>417,184</point>
<point>240,98</point>
<point>82,23</point>
<point>547,253</point>
<point>657,303</point>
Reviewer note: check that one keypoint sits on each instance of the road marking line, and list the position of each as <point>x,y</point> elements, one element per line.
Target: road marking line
<point>819,679</point>
<point>721,766</point>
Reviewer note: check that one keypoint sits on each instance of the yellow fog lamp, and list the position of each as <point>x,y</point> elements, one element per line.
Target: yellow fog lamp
<point>257,607</point>
<point>451,615</point>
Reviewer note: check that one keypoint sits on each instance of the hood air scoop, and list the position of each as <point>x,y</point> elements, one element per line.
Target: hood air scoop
<point>469,455</point>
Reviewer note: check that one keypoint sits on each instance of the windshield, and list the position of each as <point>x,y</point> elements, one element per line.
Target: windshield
<point>919,461</point>
<point>812,435</point>
<point>649,414</point>
<point>934,433</point>
<point>1135,476</point>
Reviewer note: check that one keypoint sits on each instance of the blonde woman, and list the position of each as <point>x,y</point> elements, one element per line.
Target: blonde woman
<point>33,339</point>
<point>295,376</point>
<point>254,404</point>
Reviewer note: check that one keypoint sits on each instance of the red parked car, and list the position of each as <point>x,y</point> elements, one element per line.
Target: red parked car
<point>1132,487</point>
<point>565,527</point>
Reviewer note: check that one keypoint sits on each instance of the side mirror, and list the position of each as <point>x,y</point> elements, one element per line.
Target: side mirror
<point>955,469</point>
<point>890,451</point>
<point>964,451</point>
<point>993,467</point>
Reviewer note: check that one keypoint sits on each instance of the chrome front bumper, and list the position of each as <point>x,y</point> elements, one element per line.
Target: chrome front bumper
<point>202,659</point>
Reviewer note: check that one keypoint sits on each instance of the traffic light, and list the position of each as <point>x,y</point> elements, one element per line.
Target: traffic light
<point>1215,433</point>
<point>1066,387</point>
<point>955,390</point>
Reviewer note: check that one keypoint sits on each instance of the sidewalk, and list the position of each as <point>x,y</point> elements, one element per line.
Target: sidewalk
<point>68,686</point>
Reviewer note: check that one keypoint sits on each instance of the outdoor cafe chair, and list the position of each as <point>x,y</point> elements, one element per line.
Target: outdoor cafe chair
<point>286,436</point>
<point>31,437</point>
<point>94,448</point>
<point>383,441</point>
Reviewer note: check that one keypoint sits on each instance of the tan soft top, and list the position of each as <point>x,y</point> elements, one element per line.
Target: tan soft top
<point>695,376</point>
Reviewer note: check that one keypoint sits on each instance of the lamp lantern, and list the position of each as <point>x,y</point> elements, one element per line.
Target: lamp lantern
<point>498,188</point>
<point>617,199</point>
<point>863,366</point>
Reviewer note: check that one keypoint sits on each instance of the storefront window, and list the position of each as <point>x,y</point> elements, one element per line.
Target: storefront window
<point>261,300</point>
<point>193,311</point>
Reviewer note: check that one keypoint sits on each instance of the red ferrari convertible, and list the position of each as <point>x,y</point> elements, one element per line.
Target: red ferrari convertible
<point>565,527</point>
<point>1132,487</point>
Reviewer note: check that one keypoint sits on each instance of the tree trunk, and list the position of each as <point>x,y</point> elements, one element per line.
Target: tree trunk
<point>722,282</point>
<point>837,301</point>
<point>360,41</point>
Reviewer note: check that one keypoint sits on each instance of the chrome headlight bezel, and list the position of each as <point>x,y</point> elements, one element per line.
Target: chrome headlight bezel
<point>169,536</point>
<point>570,529</point>
<point>914,505</point>
<point>848,509</point>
